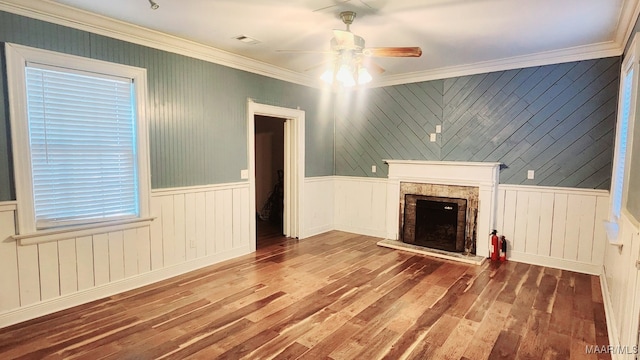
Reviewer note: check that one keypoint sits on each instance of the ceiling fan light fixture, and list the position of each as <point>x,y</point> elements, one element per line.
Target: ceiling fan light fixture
<point>363,76</point>
<point>345,76</point>
<point>154,5</point>
<point>327,76</point>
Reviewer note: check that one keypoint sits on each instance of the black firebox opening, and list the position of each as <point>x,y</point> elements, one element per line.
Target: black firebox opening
<point>436,224</point>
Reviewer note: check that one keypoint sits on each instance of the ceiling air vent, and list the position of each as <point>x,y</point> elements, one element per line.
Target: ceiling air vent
<point>247,40</point>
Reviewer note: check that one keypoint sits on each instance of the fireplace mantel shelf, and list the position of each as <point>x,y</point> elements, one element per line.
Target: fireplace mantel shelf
<point>439,163</point>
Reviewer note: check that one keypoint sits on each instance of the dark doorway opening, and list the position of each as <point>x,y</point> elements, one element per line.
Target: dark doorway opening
<point>269,167</point>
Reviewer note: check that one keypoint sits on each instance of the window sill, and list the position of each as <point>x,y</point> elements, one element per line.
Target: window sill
<point>613,232</point>
<point>78,231</point>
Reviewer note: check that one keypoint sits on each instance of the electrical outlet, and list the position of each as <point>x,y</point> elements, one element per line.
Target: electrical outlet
<point>244,174</point>
<point>438,129</point>
<point>530,174</point>
<point>432,137</point>
<point>193,243</point>
<point>373,169</point>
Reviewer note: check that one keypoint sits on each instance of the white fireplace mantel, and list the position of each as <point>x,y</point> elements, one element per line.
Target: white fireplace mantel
<point>483,175</point>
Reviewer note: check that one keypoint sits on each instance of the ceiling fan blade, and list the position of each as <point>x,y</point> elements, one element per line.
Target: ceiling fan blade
<point>373,68</point>
<point>337,3</point>
<point>344,38</point>
<point>307,51</point>
<point>320,65</point>
<point>393,52</point>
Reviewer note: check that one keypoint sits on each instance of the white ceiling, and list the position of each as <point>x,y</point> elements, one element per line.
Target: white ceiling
<point>454,34</point>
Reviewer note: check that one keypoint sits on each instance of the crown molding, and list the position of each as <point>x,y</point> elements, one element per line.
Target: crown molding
<point>56,13</point>
<point>602,50</point>
<point>83,20</point>
<point>626,21</point>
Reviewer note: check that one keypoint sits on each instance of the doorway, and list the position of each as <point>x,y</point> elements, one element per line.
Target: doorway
<point>293,172</point>
<point>269,157</point>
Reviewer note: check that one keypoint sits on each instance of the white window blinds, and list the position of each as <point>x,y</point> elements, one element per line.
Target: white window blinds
<point>83,146</point>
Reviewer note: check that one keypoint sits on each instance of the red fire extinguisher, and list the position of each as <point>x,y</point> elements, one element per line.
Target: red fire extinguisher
<point>495,245</point>
<point>503,248</point>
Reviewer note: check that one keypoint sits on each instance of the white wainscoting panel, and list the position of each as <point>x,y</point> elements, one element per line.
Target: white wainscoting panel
<point>621,285</point>
<point>189,217</point>
<point>194,227</point>
<point>556,227</point>
<point>318,205</point>
<point>360,205</point>
<point>9,279</point>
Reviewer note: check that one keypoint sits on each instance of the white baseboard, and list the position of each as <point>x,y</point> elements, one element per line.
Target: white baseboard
<point>612,328</point>
<point>556,263</point>
<point>360,231</point>
<point>82,297</point>
<point>317,230</point>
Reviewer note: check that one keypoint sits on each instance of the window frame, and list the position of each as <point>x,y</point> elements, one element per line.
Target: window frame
<point>630,62</point>
<point>17,57</point>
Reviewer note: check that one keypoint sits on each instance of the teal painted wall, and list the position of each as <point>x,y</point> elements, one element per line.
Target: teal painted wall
<point>558,120</point>
<point>196,109</point>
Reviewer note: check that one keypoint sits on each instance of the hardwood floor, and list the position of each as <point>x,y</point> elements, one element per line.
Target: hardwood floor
<point>268,233</point>
<point>338,296</point>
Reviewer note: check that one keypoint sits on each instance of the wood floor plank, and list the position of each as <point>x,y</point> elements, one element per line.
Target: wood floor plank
<point>292,351</point>
<point>558,346</point>
<point>561,313</point>
<point>487,297</point>
<point>481,344</point>
<point>334,296</point>
<point>510,290</point>
<point>533,340</point>
<point>379,345</point>
<point>505,346</point>
<point>546,290</point>
<point>517,320</point>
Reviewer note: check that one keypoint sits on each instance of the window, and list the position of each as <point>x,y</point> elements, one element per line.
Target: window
<point>621,146</point>
<point>626,118</point>
<point>79,140</point>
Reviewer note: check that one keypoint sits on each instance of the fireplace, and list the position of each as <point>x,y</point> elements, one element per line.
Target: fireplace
<point>439,216</point>
<point>435,222</point>
<point>475,183</point>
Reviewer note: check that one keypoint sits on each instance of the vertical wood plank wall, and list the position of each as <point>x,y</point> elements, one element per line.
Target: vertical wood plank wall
<point>319,205</point>
<point>360,205</point>
<point>557,227</point>
<point>194,227</point>
<point>196,109</point>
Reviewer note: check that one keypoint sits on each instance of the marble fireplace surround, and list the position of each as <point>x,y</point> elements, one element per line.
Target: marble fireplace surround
<point>483,175</point>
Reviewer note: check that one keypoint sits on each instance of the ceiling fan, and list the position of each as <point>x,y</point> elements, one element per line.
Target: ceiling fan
<point>351,64</point>
<point>345,40</point>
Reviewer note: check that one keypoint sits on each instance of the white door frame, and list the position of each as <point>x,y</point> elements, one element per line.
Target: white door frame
<point>293,163</point>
